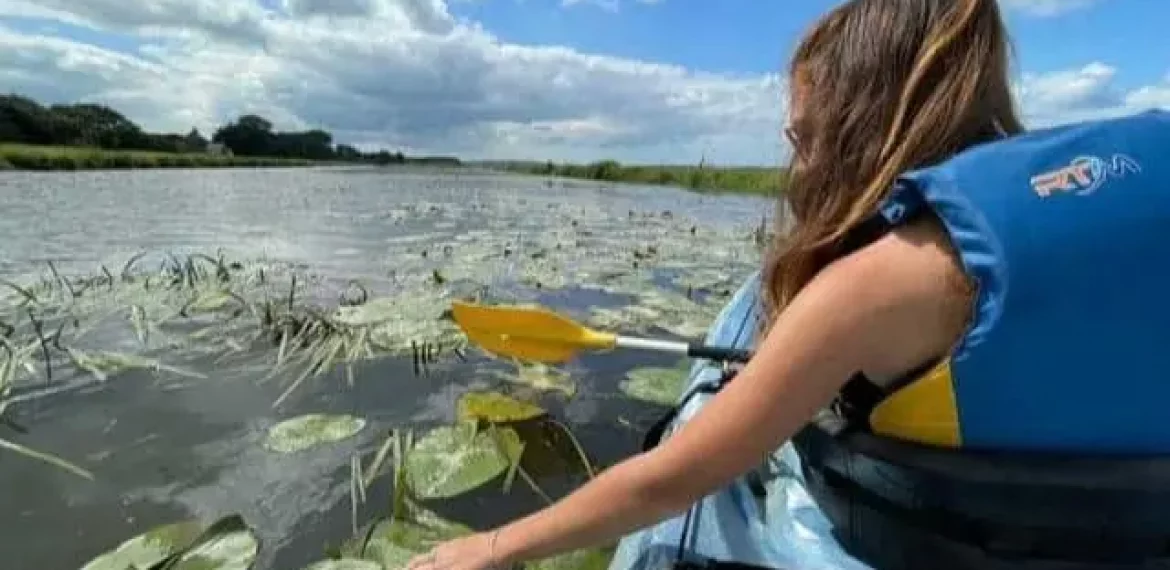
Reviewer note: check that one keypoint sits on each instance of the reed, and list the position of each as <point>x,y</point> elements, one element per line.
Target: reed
<point>763,181</point>
<point>35,157</point>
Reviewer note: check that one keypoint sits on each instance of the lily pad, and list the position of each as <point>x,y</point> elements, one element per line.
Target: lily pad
<point>657,385</point>
<point>227,544</point>
<point>345,564</point>
<point>586,559</point>
<point>455,459</point>
<point>304,432</point>
<point>495,407</point>
<point>149,548</point>
<point>393,542</point>
<point>232,550</point>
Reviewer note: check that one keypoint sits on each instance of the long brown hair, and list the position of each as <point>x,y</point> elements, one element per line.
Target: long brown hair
<point>883,86</point>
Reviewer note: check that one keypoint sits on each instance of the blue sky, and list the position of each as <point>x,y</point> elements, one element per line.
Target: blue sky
<point>756,36</point>
<point>637,80</point>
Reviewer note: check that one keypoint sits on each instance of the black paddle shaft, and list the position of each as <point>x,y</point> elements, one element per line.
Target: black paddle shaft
<point>719,353</point>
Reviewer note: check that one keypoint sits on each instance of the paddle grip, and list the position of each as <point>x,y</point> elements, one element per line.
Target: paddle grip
<point>718,353</point>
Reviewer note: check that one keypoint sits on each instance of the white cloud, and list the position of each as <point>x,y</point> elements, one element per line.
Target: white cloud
<point>1046,8</point>
<point>408,74</point>
<point>235,20</point>
<point>1085,93</point>
<point>1090,87</point>
<point>403,73</point>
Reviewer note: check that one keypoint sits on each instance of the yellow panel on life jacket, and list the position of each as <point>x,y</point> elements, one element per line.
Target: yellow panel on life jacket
<point>924,411</point>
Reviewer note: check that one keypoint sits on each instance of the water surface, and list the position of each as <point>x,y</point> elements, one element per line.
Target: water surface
<point>163,451</point>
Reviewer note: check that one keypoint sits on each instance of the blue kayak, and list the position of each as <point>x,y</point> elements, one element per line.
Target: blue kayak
<point>764,519</point>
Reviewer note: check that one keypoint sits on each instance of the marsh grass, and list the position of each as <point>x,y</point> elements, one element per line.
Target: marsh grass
<point>195,305</point>
<point>762,181</point>
<point>35,157</point>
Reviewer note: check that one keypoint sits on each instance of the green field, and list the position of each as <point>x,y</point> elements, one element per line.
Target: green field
<point>34,157</point>
<point>768,181</point>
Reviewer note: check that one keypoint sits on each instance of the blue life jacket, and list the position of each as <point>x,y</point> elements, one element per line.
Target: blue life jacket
<point>1043,439</point>
<point>1066,235</point>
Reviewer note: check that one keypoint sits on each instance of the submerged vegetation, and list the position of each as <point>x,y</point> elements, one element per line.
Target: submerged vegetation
<point>656,272</point>
<point>766,181</point>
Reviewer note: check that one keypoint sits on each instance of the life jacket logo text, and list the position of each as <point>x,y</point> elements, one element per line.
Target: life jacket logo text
<point>1084,175</point>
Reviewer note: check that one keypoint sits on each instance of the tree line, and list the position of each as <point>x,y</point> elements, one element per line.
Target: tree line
<point>25,121</point>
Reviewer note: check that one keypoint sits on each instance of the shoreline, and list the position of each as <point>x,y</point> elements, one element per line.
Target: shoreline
<point>37,158</point>
<point>743,180</point>
<point>734,180</point>
<point>25,157</point>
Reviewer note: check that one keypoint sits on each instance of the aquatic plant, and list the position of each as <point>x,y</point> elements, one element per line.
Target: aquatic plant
<point>496,408</point>
<point>657,385</point>
<point>226,544</point>
<point>170,315</point>
<point>449,461</point>
<point>300,433</point>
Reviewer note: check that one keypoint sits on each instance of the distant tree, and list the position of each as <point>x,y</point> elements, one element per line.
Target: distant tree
<point>315,144</point>
<point>347,152</point>
<point>383,157</point>
<point>195,141</point>
<point>250,135</point>
<point>90,124</point>
<point>24,120</point>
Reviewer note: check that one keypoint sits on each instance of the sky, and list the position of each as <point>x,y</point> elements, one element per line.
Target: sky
<point>578,80</point>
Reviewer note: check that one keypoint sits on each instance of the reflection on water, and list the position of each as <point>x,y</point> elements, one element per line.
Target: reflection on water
<point>169,448</point>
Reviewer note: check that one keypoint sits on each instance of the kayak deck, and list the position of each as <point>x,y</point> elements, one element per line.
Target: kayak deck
<point>781,529</point>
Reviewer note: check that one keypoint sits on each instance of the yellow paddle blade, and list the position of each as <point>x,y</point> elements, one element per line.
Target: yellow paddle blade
<point>528,333</point>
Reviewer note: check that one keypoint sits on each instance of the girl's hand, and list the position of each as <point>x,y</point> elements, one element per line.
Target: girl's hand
<point>475,552</point>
